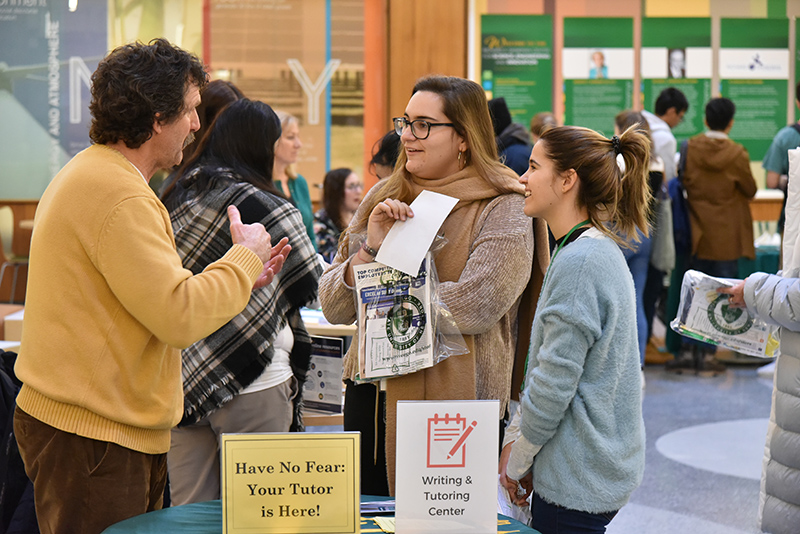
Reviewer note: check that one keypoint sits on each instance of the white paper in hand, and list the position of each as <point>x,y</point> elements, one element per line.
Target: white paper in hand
<point>407,242</point>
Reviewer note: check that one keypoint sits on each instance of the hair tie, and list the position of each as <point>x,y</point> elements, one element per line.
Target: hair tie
<point>615,144</point>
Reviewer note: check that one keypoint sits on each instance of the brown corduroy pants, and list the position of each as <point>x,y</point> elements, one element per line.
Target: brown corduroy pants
<point>83,486</point>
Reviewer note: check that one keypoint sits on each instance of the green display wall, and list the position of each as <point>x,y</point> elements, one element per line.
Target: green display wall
<point>598,71</point>
<point>754,73</point>
<point>676,52</point>
<point>517,62</point>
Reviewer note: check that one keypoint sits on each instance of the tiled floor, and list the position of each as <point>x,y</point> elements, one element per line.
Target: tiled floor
<point>705,441</point>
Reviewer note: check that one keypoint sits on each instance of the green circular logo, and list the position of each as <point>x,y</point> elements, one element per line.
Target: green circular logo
<point>405,322</point>
<point>726,319</point>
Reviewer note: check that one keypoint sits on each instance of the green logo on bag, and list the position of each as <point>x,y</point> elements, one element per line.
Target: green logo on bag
<point>728,320</point>
<point>405,322</point>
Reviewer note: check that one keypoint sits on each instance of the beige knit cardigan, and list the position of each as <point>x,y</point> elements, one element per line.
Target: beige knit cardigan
<point>484,302</point>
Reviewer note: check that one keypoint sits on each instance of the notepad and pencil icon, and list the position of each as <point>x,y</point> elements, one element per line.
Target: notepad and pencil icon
<point>447,437</point>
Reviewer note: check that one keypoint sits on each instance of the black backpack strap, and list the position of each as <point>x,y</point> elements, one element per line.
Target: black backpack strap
<point>796,126</point>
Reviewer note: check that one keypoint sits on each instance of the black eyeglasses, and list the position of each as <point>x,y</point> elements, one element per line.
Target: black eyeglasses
<point>420,129</point>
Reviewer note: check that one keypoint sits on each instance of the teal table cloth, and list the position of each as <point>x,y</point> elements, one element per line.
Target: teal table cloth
<point>767,261</point>
<point>206,518</point>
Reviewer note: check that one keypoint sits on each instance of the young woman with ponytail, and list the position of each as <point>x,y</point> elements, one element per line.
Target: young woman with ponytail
<point>579,443</point>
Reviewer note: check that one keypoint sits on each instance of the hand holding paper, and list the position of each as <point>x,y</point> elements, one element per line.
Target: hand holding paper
<point>382,219</point>
<point>407,242</point>
<point>736,293</point>
<point>712,310</point>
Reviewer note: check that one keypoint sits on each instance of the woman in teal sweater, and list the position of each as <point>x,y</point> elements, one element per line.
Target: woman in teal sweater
<point>288,182</point>
<point>581,434</point>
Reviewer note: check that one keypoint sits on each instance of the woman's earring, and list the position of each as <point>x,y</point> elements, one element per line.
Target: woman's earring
<point>460,165</point>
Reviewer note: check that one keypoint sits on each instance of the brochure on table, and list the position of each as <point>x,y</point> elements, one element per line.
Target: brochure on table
<point>447,466</point>
<point>293,482</point>
<point>323,387</point>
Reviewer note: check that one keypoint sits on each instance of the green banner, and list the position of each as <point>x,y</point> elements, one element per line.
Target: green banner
<point>597,66</point>
<point>698,93</point>
<point>676,32</point>
<point>594,103</point>
<point>517,62</point>
<point>754,71</point>
<point>606,32</point>
<point>793,94</point>
<point>754,33</point>
<point>760,112</point>
<point>676,52</point>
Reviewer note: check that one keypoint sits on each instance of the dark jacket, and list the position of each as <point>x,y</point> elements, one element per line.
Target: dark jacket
<point>17,511</point>
<point>515,147</point>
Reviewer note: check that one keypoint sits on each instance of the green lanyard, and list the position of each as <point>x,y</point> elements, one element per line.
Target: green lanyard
<point>559,247</point>
<point>546,274</point>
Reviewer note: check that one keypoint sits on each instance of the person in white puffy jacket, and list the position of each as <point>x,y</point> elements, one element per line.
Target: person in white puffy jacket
<point>776,300</point>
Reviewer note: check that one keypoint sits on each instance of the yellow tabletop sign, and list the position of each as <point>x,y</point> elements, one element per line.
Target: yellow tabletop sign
<point>290,483</point>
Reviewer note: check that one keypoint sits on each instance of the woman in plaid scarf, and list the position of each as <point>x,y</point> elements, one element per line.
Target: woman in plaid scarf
<point>246,376</point>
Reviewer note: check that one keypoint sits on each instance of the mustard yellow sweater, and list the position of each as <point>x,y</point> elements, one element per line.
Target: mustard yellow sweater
<point>109,306</point>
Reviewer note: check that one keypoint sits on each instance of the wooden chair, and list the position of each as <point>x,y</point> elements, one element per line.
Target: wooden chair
<point>10,260</point>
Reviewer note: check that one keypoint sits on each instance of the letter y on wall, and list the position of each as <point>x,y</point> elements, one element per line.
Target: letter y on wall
<point>313,91</point>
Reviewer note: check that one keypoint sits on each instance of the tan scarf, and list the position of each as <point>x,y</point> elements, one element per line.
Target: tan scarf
<point>474,194</point>
<point>453,378</point>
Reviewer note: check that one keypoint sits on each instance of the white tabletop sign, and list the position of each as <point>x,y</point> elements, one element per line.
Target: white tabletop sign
<point>447,466</point>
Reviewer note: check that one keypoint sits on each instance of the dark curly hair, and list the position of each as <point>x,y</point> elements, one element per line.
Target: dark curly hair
<point>135,85</point>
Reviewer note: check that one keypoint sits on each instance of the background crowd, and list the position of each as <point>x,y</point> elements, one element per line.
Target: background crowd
<point>195,328</point>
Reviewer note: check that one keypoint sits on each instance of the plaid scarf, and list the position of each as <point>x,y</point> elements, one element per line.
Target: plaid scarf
<point>217,368</point>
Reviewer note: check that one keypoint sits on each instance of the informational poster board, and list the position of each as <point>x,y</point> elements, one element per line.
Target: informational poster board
<point>676,52</point>
<point>792,90</point>
<point>517,62</point>
<point>47,56</point>
<point>598,71</point>
<point>754,73</point>
<point>322,390</point>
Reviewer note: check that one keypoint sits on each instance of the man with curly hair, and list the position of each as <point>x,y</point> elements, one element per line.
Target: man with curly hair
<point>109,305</point>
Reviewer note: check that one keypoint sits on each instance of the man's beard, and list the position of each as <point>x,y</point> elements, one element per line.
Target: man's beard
<point>189,140</point>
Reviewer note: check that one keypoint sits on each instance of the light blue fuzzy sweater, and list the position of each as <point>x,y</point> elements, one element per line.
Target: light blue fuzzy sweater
<point>583,398</point>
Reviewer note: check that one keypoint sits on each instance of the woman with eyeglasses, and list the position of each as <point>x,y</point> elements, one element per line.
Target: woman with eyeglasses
<point>448,147</point>
<point>292,185</point>
<point>341,196</point>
